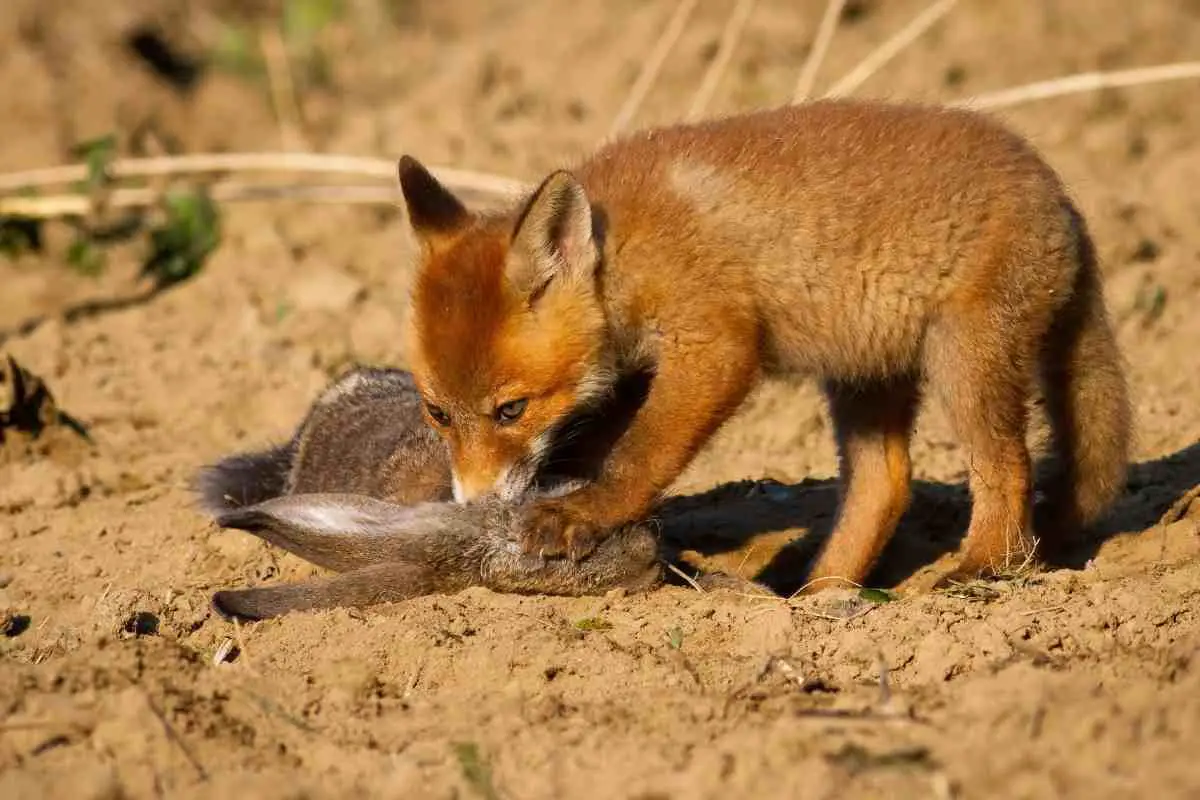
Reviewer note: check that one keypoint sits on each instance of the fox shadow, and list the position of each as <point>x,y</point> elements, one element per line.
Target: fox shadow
<point>770,532</point>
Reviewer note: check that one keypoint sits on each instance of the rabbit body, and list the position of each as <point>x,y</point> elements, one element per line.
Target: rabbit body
<point>362,488</point>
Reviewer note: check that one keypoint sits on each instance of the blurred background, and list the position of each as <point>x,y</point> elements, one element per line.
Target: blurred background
<point>179,311</point>
<point>511,89</point>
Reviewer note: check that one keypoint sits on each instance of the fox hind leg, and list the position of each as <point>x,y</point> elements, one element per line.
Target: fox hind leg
<point>983,375</point>
<point>873,423</point>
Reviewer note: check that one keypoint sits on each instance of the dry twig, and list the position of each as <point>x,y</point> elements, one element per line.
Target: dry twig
<point>488,186</point>
<point>690,580</point>
<point>808,73</point>
<point>1083,82</point>
<point>885,52</point>
<point>212,163</point>
<point>652,66</point>
<point>712,76</point>
<point>826,579</point>
<point>283,88</point>
<point>70,205</point>
<point>174,737</point>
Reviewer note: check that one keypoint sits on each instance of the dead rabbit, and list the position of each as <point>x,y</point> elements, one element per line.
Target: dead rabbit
<point>363,489</point>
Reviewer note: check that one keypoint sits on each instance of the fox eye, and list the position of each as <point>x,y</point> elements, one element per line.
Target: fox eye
<point>437,415</point>
<point>511,411</point>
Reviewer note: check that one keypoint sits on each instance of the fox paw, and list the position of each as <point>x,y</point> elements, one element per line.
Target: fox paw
<point>554,529</point>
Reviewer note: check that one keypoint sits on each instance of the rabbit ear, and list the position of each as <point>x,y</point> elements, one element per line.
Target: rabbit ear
<point>337,531</point>
<point>381,583</point>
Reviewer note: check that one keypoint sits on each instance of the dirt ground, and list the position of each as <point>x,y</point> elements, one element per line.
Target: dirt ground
<point>1081,681</point>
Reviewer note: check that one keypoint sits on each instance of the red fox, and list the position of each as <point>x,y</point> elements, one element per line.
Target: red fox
<point>890,251</point>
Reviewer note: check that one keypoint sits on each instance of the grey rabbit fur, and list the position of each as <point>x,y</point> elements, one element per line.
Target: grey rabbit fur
<point>362,488</point>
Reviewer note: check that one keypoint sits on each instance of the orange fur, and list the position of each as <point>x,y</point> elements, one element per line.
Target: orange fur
<point>888,250</point>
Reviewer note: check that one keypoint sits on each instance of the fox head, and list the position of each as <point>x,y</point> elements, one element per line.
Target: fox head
<point>508,335</point>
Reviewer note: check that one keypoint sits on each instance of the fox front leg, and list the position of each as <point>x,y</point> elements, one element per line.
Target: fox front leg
<point>695,389</point>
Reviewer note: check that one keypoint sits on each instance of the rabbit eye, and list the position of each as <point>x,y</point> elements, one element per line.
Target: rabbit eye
<point>437,415</point>
<point>511,411</point>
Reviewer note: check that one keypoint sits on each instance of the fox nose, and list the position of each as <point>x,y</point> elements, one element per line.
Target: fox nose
<point>466,490</point>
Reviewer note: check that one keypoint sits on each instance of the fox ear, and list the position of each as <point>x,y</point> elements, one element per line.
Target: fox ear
<point>554,236</point>
<point>434,211</point>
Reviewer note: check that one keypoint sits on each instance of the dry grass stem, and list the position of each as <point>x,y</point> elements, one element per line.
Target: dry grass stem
<point>716,70</point>
<point>70,205</point>
<point>481,185</point>
<point>174,737</point>
<point>1043,610</point>
<point>283,88</point>
<point>241,645</point>
<point>415,678</point>
<point>885,52</point>
<point>203,163</point>
<point>1083,82</point>
<point>826,579</point>
<point>745,558</point>
<point>885,686</point>
<point>652,66</point>
<point>808,73</point>
<point>862,612</point>
<point>690,580</point>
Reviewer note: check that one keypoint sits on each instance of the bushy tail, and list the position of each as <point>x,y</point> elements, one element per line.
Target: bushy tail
<point>1087,401</point>
<point>245,479</point>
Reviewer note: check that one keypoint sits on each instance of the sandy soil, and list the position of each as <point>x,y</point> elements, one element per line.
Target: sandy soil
<point>1081,681</point>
